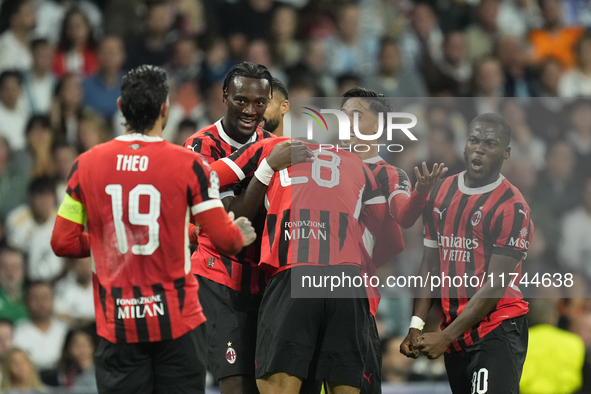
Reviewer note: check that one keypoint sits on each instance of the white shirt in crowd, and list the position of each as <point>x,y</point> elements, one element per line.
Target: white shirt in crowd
<point>575,248</point>
<point>14,122</point>
<point>14,53</point>
<point>72,299</point>
<point>574,84</point>
<point>44,348</point>
<point>34,239</point>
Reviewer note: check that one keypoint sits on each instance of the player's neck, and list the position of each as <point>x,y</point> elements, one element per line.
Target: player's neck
<point>155,131</point>
<point>234,134</point>
<point>279,130</point>
<point>473,183</point>
<point>372,152</point>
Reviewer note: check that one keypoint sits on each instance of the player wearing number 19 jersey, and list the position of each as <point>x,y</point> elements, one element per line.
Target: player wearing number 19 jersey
<point>477,228</point>
<point>138,193</point>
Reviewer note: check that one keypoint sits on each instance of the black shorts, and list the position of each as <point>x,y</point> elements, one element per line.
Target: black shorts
<point>231,328</point>
<point>175,366</point>
<point>295,332</point>
<point>372,376</point>
<point>494,364</point>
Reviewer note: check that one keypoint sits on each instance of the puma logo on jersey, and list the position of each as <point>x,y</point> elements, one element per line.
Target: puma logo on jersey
<point>523,212</point>
<point>436,210</point>
<point>368,377</point>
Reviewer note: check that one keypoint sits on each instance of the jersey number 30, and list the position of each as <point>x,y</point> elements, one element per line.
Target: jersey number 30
<point>149,219</point>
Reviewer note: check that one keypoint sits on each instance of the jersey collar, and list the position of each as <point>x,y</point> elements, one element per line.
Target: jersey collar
<point>478,190</point>
<point>230,140</point>
<point>138,137</point>
<point>372,160</point>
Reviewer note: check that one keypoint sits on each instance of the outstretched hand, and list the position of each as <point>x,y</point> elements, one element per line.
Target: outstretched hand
<point>426,182</point>
<point>288,153</point>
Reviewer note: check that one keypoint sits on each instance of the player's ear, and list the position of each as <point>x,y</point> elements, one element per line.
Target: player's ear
<point>507,153</point>
<point>119,104</point>
<point>285,107</point>
<point>164,108</point>
<point>225,96</point>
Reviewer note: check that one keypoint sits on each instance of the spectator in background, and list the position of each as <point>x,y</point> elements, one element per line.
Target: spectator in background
<point>346,82</point>
<point>75,369</point>
<point>217,62</point>
<point>215,108</point>
<point>489,84</point>
<point>14,178</point>
<point>40,81</point>
<point>19,375</point>
<point>258,52</point>
<point>152,46</point>
<point>577,82</point>
<point>185,65</point>
<point>348,51</point>
<point>29,229</point>
<point>524,144</point>
<point>518,17</point>
<point>392,79</point>
<point>423,39</point>
<point>286,50</point>
<point>39,145</point>
<point>92,130</point>
<point>17,21</point>
<point>519,79</point>
<point>76,47</point>
<point>6,339</point>
<point>452,70</point>
<point>313,65</point>
<point>124,19</point>
<point>482,35</point>
<point>441,145</point>
<point>73,295</point>
<point>186,128</point>
<point>575,248</point>
<point>557,189</point>
<point>12,278</point>
<point>548,342</point>
<point>549,74</point>
<point>42,335</point>
<point>579,135</point>
<point>102,90</point>
<point>14,110</point>
<point>396,368</point>
<point>63,156</point>
<point>246,20</point>
<point>51,14</point>
<point>554,40</point>
<point>67,109</point>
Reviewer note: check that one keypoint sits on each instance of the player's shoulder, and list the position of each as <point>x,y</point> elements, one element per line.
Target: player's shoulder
<point>443,185</point>
<point>515,196</point>
<point>208,134</point>
<point>264,134</point>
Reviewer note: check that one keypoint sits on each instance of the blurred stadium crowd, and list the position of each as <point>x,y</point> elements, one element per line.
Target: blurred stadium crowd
<point>61,65</point>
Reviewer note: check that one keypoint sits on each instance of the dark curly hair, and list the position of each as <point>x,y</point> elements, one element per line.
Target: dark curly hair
<point>248,70</point>
<point>143,91</point>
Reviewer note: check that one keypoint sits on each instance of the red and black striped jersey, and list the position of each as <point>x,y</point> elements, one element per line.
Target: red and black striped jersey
<point>314,209</point>
<point>237,272</point>
<point>391,181</point>
<point>469,225</point>
<point>139,197</point>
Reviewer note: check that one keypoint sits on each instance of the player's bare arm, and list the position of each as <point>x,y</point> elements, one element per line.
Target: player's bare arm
<point>422,303</point>
<point>434,345</point>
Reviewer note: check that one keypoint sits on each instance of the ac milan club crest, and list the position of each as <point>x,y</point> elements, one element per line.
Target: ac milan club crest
<point>230,354</point>
<point>476,217</point>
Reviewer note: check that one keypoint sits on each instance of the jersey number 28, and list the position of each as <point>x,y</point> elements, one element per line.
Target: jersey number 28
<point>149,219</point>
